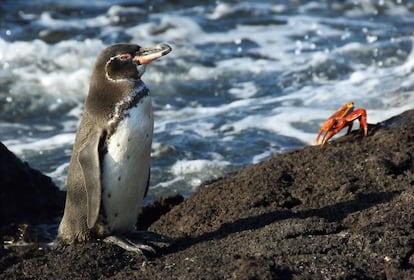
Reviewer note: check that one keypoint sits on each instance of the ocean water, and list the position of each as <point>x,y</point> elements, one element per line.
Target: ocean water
<point>246,79</point>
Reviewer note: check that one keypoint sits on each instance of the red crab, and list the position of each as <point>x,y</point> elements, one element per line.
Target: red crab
<point>344,116</point>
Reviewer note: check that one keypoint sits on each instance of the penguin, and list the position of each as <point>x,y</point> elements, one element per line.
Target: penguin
<point>109,170</point>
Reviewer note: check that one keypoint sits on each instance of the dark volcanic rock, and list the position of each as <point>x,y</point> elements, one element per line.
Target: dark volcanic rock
<point>344,211</point>
<point>154,211</point>
<point>26,195</point>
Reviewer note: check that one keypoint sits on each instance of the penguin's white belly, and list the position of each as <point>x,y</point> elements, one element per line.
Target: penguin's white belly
<point>126,167</point>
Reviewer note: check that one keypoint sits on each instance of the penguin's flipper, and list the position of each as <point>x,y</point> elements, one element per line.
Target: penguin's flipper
<point>89,162</point>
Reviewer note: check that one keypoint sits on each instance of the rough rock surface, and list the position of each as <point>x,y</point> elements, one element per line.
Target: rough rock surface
<point>345,211</point>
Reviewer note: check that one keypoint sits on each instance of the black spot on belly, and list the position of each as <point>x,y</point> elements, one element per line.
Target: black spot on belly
<point>128,157</point>
<point>109,195</point>
<point>147,135</point>
<point>116,215</point>
<point>119,178</point>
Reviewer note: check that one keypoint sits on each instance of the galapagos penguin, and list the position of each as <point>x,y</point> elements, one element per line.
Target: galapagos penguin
<point>109,170</point>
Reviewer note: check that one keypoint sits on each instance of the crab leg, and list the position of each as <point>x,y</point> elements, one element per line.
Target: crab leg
<point>330,123</point>
<point>348,120</point>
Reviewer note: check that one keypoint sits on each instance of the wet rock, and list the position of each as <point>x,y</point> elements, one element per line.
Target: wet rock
<point>26,195</point>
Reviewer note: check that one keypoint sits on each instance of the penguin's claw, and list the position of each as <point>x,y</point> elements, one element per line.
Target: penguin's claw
<point>128,245</point>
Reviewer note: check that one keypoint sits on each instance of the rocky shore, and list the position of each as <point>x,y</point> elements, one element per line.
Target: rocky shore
<point>345,211</point>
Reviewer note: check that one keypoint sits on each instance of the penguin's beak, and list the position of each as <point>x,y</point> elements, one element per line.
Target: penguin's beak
<point>146,55</point>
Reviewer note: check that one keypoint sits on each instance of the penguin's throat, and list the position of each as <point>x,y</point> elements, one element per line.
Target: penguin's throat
<point>139,92</point>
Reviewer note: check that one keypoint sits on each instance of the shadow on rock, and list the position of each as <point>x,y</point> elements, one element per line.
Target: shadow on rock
<point>331,213</point>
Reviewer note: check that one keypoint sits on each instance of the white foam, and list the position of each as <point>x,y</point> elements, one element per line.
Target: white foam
<point>59,175</point>
<point>184,167</point>
<point>187,175</point>
<point>46,20</point>
<point>169,183</point>
<point>18,146</point>
<point>221,10</point>
<point>55,71</point>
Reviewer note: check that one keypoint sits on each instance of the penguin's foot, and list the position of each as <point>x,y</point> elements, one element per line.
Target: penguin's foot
<point>136,241</point>
<point>129,245</point>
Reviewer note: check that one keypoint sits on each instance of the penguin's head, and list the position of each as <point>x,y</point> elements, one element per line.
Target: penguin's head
<point>117,71</point>
<point>127,61</point>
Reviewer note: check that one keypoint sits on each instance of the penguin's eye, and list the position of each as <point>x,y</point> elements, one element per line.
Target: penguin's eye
<point>124,57</point>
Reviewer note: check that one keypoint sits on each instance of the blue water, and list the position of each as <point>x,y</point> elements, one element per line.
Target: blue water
<point>245,81</point>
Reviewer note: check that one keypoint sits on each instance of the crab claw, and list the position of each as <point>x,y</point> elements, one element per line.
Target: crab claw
<point>329,124</point>
<point>360,114</point>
